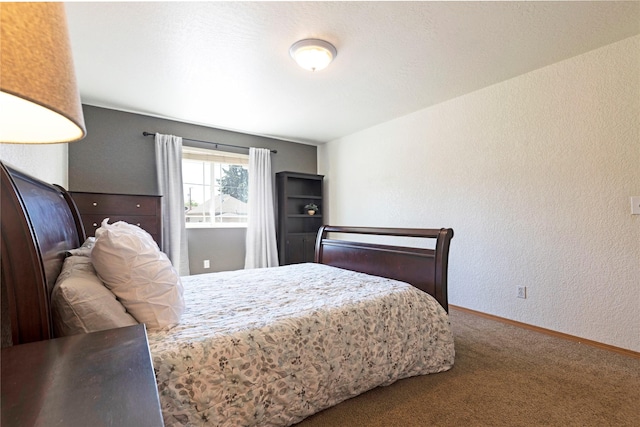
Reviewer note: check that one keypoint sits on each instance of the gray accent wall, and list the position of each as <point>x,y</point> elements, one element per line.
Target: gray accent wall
<point>115,157</point>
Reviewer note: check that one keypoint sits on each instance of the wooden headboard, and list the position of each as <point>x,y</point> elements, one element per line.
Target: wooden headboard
<point>38,226</point>
<point>40,222</point>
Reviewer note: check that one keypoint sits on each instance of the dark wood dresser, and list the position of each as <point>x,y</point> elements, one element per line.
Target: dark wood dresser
<point>100,379</point>
<point>142,210</point>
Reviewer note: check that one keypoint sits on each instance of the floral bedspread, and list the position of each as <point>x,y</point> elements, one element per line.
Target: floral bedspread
<point>270,347</point>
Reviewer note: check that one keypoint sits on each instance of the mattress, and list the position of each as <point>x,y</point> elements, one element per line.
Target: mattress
<point>272,346</point>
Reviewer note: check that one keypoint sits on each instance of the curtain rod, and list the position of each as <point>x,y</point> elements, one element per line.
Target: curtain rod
<point>208,142</point>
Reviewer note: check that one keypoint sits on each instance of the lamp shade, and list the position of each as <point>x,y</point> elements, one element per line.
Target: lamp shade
<point>39,99</point>
<point>313,54</point>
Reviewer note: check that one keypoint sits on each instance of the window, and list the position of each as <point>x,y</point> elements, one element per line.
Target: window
<point>216,187</point>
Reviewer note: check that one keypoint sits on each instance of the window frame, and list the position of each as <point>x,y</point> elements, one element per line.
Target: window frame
<point>214,157</point>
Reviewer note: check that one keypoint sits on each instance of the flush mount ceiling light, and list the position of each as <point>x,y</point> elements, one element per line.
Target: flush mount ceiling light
<point>313,54</point>
<point>39,99</point>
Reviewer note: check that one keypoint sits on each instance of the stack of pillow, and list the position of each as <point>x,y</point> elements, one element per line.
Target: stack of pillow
<point>119,278</point>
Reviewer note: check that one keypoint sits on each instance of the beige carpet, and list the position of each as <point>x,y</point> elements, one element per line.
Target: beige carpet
<point>504,376</point>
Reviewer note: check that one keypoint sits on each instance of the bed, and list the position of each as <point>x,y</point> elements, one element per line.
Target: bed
<point>253,347</point>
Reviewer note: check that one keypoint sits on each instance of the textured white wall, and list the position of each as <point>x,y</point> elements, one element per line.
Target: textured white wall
<point>534,175</point>
<point>49,162</point>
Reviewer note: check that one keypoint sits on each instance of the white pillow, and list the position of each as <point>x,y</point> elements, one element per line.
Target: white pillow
<point>80,303</point>
<point>85,249</point>
<point>130,263</point>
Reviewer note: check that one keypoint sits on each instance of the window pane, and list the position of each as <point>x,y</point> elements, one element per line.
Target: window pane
<point>191,171</point>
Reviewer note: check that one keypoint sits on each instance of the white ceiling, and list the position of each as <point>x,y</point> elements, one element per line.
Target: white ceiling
<point>226,64</point>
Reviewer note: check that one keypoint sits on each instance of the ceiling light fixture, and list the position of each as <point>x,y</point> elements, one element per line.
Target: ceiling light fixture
<point>313,54</point>
<point>39,99</point>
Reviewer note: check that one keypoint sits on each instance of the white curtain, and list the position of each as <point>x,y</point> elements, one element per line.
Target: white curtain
<point>262,248</point>
<point>169,170</point>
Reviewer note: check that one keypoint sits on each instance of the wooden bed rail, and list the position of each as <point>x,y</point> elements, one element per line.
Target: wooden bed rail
<point>404,232</point>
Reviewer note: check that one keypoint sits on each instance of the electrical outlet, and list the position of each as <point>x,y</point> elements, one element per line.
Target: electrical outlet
<point>522,291</point>
<point>635,205</point>
<point>206,263</point>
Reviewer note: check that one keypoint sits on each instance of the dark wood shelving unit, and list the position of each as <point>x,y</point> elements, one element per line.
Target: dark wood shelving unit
<point>297,230</point>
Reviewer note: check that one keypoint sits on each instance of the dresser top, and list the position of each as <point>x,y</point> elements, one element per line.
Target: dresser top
<point>112,194</point>
<point>100,379</point>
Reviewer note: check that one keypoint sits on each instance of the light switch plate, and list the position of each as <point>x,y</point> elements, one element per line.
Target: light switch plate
<point>635,205</point>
